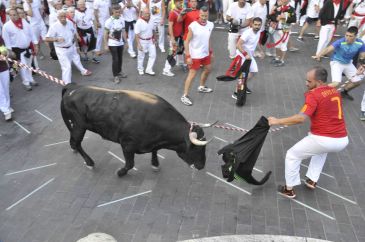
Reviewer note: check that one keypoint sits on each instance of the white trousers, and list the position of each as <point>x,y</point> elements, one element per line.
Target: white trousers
<point>100,36</point>
<point>4,92</point>
<point>349,70</point>
<point>131,37</point>
<point>149,47</point>
<point>66,56</point>
<point>325,36</point>
<point>226,4</point>
<point>232,41</point>
<point>39,29</point>
<point>363,103</point>
<point>25,73</point>
<point>161,34</point>
<point>314,146</point>
<point>179,60</point>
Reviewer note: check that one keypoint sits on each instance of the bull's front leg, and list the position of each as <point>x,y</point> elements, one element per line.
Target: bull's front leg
<point>129,163</point>
<point>154,161</point>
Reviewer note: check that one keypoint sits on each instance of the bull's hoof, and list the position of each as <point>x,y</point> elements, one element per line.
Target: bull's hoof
<point>155,168</point>
<point>91,167</point>
<point>122,172</point>
<point>74,150</point>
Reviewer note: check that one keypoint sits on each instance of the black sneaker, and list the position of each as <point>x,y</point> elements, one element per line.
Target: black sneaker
<point>346,95</point>
<point>95,60</point>
<point>248,91</point>
<point>285,192</point>
<point>300,39</point>
<point>279,64</point>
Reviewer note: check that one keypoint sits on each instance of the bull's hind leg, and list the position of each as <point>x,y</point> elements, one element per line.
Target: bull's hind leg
<point>129,163</point>
<point>154,161</point>
<point>77,135</point>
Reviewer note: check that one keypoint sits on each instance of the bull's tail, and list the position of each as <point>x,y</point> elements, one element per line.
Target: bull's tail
<point>251,180</point>
<point>70,86</point>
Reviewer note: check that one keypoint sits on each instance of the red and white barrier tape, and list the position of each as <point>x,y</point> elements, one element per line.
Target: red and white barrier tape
<point>241,130</point>
<point>40,72</point>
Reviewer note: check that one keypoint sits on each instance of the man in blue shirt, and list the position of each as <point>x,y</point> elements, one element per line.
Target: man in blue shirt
<point>345,49</point>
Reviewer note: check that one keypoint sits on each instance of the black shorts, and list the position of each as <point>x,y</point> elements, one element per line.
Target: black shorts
<point>311,20</point>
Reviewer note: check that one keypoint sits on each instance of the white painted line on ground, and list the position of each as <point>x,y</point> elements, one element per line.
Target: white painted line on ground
<point>258,170</point>
<point>161,156</point>
<point>321,172</point>
<point>21,127</point>
<point>61,142</point>
<point>220,27</point>
<point>335,194</point>
<point>30,169</point>
<point>117,157</point>
<point>232,185</point>
<point>309,207</point>
<point>234,126</point>
<point>136,195</point>
<point>30,194</point>
<point>44,116</point>
<point>221,139</point>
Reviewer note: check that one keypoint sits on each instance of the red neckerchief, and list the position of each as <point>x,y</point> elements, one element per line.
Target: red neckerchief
<point>69,18</point>
<point>81,11</point>
<point>336,1</point>
<point>18,23</point>
<point>202,24</point>
<point>285,8</point>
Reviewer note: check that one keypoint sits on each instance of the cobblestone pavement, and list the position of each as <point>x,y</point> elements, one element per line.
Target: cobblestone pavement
<point>58,199</point>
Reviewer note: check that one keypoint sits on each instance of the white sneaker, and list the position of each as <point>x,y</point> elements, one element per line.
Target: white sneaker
<point>150,72</point>
<point>168,73</point>
<point>132,55</point>
<point>186,100</point>
<point>162,50</point>
<point>140,72</point>
<point>7,116</point>
<point>204,89</point>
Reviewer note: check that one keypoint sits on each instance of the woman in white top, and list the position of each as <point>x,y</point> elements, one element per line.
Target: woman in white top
<point>114,39</point>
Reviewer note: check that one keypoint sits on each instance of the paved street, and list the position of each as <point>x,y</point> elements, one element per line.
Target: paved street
<point>48,194</point>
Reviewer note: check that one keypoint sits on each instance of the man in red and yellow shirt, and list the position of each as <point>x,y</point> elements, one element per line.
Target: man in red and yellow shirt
<point>323,105</point>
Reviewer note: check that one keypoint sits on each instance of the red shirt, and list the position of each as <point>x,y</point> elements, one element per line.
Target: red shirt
<point>324,107</point>
<point>177,27</point>
<point>188,19</point>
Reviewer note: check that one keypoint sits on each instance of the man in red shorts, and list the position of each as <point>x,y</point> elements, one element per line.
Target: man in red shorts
<point>323,105</point>
<point>198,53</point>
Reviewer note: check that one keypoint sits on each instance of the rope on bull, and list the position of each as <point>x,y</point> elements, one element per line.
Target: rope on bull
<point>40,72</point>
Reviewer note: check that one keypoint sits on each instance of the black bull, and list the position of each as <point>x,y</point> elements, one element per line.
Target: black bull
<point>140,122</point>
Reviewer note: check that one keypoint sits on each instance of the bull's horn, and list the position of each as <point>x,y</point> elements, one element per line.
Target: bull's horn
<point>195,141</point>
<point>208,125</point>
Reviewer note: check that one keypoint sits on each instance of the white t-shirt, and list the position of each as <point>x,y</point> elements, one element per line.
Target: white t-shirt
<point>199,43</point>
<point>240,14</point>
<point>156,10</point>
<point>67,32</point>
<point>36,10</point>
<point>261,12</point>
<point>250,40</point>
<point>15,37</point>
<point>129,14</point>
<point>84,20</point>
<point>144,29</point>
<point>103,7</point>
<point>115,24</point>
<point>311,10</point>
